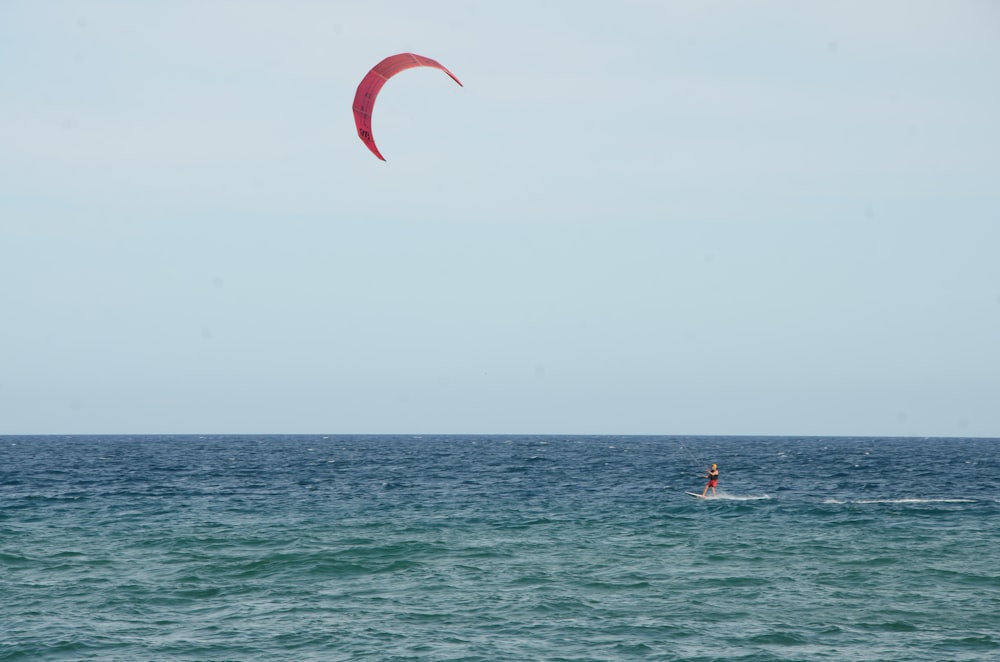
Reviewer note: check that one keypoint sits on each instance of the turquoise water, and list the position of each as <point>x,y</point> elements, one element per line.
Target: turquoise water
<point>498,548</point>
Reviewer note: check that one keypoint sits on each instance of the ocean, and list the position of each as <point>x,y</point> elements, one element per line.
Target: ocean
<point>472,547</point>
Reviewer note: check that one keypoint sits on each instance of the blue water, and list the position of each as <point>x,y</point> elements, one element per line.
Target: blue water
<point>497,548</point>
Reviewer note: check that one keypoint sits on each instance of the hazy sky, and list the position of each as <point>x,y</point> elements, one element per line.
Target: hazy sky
<point>636,217</point>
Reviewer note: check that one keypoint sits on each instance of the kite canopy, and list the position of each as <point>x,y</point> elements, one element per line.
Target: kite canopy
<point>368,89</point>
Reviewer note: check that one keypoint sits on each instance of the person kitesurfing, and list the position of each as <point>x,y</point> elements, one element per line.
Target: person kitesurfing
<point>713,479</point>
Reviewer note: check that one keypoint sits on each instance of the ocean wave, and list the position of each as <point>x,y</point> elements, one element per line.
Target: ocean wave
<point>915,500</point>
<point>739,497</point>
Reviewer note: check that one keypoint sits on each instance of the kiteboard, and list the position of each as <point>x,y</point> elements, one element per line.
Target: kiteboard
<point>697,496</point>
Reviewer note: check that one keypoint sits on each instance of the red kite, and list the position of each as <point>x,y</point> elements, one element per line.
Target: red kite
<point>368,89</point>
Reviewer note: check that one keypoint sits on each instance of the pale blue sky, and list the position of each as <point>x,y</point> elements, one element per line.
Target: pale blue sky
<point>636,217</point>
